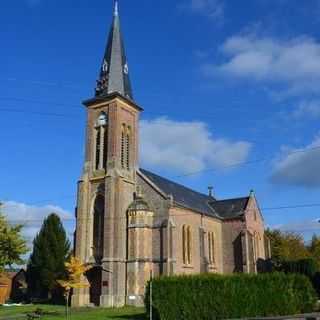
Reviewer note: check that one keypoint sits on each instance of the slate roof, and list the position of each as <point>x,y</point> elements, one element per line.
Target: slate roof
<point>182,195</point>
<point>199,202</point>
<point>230,208</point>
<point>114,72</point>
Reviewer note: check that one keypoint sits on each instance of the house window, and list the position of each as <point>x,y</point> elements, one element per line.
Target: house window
<point>211,247</point>
<point>187,245</point>
<point>101,138</point>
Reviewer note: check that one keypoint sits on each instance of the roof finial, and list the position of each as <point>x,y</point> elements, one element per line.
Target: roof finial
<point>210,189</point>
<point>116,8</point>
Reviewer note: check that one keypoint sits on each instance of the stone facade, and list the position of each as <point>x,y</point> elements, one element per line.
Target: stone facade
<point>133,224</point>
<point>200,227</point>
<point>116,186</point>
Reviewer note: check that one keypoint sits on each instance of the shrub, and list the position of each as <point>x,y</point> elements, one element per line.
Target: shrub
<point>308,267</point>
<point>236,296</point>
<point>316,282</point>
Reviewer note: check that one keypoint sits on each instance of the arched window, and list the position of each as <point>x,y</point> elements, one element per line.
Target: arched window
<point>105,147</point>
<point>211,247</point>
<point>257,245</point>
<point>98,147</point>
<point>101,138</point>
<point>184,244</point>
<point>187,245</point>
<point>98,228</point>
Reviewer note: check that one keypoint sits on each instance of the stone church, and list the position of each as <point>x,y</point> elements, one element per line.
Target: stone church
<point>132,223</point>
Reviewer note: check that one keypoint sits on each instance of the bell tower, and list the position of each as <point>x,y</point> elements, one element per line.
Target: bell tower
<point>108,183</point>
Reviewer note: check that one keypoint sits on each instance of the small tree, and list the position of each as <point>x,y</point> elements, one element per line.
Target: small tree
<point>286,246</point>
<point>12,244</point>
<point>51,248</point>
<point>76,270</point>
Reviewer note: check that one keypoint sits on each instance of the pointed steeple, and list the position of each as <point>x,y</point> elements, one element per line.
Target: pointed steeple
<point>114,73</point>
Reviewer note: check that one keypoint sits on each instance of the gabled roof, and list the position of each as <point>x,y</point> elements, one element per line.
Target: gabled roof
<point>196,201</point>
<point>114,72</point>
<point>230,208</point>
<point>182,195</point>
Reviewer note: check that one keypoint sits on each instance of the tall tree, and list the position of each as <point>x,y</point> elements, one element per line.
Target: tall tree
<point>51,249</point>
<point>286,246</point>
<point>314,248</point>
<point>12,244</point>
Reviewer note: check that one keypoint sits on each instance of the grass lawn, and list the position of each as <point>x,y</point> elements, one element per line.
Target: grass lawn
<point>127,313</point>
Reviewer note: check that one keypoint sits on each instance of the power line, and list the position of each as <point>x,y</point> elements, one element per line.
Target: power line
<point>311,205</point>
<point>43,83</point>
<point>299,206</point>
<point>49,114</point>
<point>237,164</point>
<point>207,115</point>
<point>161,120</point>
<point>159,115</point>
<point>38,202</point>
<point>73,86</point>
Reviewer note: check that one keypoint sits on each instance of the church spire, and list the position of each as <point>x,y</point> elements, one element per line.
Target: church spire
<point>114,73</point>
<point>116,8</point>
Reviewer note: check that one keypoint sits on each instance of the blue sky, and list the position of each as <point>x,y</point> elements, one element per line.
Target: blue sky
<point>222,82</point>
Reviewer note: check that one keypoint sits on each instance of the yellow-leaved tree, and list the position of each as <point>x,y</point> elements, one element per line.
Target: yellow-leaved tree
<point>75,280</point>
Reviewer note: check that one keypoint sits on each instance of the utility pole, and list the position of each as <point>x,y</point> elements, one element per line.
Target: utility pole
<point>1,207</point>
<point>151,278</point>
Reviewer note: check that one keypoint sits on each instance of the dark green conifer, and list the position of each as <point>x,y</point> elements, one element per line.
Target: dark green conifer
<point>51,248</point>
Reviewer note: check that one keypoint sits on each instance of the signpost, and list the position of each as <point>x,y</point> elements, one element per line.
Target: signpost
<point>151,278</point>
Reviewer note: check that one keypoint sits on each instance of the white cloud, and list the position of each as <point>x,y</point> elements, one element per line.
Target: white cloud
<point>293,64</point>
<point>305,226</point>
<point>210,8</point>
<point>299,167</point>
<point>308,109</point>
<point>187,146</point>
<point>31,216</point>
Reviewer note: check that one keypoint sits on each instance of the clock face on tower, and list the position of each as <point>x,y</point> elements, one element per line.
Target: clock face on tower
<point>102,120</point>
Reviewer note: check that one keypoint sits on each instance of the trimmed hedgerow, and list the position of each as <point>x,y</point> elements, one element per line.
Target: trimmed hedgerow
<point>236,296</point>
<point>308,267</point>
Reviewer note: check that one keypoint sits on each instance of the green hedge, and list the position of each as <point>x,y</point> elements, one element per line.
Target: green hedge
<point>235,296</point>
<point>308,267</point>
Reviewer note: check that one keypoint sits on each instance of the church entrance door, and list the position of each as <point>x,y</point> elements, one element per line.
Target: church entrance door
<point>94,276</point>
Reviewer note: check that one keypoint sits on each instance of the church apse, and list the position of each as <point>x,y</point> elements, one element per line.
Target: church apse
<point>140,263</point>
